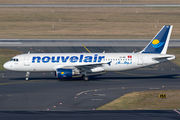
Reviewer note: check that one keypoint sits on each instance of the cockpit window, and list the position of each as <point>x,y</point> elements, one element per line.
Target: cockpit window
<point>14,60</point>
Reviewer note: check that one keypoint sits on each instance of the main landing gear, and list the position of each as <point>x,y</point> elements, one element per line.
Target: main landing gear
<point>27,76</point>
<point>85,78</point>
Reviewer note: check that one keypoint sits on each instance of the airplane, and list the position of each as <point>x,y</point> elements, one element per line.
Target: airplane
<point>66,65</point>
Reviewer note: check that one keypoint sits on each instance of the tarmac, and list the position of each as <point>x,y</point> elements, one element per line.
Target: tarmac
<point>89,115</point>
<point>45,96</point>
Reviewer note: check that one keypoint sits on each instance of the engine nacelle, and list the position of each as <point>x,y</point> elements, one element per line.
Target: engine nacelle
<point>64,73</point>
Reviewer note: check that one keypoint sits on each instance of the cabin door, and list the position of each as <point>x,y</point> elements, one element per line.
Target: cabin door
<point>140,60</point>
<point>26,60</point>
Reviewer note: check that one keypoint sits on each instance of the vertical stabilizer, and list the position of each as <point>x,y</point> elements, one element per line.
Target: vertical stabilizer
<point>160,42</point>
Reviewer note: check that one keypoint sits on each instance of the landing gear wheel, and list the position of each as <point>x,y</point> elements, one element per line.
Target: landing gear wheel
<point>85,78</point>
<point>27,76</point>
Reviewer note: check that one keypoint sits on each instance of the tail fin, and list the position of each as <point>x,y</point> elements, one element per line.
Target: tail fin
<point>159,43</point>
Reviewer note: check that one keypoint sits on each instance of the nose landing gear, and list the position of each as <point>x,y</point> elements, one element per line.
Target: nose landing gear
<point>27,76</point>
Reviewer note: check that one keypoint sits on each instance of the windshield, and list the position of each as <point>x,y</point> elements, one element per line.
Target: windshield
<point>13,59</point>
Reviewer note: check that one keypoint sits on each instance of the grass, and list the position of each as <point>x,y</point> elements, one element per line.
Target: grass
<point>145,100</point>
<point>89,2</point>
<point>6,55</point>
<point>87,23</point>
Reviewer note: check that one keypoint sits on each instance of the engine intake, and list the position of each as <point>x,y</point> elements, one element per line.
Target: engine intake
<point>64,73</point>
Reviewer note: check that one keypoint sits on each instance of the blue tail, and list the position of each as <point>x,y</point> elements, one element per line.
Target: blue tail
<point>159,43</point>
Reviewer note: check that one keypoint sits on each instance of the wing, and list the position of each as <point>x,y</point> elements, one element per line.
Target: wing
<point>86,67</point>
<point>91,66</point>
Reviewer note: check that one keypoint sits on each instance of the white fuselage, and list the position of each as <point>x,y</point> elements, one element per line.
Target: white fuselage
<point>39,62</point>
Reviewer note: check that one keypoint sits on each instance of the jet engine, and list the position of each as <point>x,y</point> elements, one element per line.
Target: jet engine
<point>64,73</point>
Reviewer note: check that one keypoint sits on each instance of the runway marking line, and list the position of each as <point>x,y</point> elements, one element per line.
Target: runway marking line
<point>95,90</point>
<point>177,111</point>
<point>147,69</point>
<point>86,48</point>
<point>154,88</point>
<point>84,92</point>
<point>97,99</point>
<point>134,74</point>
<point>99,94</point>
<point>21,82</point>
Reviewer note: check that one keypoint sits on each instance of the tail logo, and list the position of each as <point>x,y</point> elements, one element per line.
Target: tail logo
<point>156,44</point>
<point>62,73</point>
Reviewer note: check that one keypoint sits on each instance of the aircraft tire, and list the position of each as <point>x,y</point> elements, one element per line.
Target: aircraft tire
<point>85,78</point>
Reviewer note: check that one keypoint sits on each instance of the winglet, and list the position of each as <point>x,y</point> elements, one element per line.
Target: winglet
<point>159,43</point>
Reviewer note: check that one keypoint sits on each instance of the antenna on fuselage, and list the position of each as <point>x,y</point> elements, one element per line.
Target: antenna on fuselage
<point>29,52</point>
<point>134,51</point>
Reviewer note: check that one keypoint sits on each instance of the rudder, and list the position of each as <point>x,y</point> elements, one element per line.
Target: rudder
<point>159,43</point>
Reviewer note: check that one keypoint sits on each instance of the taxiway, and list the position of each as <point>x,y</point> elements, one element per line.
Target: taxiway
<point>44,92</point>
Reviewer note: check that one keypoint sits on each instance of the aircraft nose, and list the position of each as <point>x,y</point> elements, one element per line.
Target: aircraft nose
<point>6,65</point>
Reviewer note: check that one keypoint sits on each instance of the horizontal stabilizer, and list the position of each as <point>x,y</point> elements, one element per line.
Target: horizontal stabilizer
<point>164,58</point>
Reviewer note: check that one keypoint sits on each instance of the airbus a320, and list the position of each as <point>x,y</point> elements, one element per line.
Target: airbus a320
<point>66,65</point>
